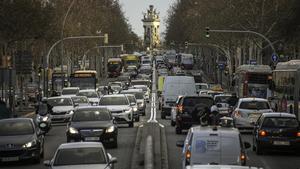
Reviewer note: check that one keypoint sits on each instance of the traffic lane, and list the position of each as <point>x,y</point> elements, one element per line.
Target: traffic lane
<point>271,159</point>
<point>174,152</point>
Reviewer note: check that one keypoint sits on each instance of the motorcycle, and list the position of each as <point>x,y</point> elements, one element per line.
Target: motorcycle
<point>43,118</point>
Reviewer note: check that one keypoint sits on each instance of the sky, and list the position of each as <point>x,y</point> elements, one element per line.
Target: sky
<point>134,9</point>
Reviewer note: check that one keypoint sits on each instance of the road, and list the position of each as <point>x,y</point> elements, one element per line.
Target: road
<point>56,136</point>
<point>269,160</point>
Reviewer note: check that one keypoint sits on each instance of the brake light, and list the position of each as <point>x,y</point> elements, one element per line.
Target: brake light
<point>188,154</point>
<point>262,133</point>
<point>298,134</point>
<point>242,157</point>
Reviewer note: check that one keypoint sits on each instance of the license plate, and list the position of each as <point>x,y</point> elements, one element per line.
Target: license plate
<point>9,159</point>
<point>281,143</point>
<point>92,139</point>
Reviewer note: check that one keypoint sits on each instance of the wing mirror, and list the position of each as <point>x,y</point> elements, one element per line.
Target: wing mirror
<point>76,104</point>
<point>113,160</point>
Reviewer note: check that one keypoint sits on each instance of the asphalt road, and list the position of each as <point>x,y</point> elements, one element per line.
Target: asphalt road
<point>56,136</point>
<point>269,160</point>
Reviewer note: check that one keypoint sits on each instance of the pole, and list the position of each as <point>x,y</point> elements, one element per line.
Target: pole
<point>296,94</point>
<point>62,43</point>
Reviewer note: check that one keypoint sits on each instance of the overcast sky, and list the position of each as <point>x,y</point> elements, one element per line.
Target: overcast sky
<point>134,12</point>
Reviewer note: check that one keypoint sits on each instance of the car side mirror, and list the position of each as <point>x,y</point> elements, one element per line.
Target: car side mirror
<point>47,163</point>
<point>113,160</point>
<point>247,145</point>
<point>180,144</point>
<point>76,104</point>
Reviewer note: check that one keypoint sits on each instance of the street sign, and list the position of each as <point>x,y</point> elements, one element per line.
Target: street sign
<point>252,62</point>
<point>221,66</point>
<point>274,57</point>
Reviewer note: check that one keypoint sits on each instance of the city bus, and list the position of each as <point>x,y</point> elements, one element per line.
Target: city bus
<point>84,79</point>
<point>130,60</point>
<point>114,67</point>
<point>59,79</point>
<point>284,82</point>
<point>253,81</point>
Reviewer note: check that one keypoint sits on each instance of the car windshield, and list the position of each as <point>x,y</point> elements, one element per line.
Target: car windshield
<point>88,94</point>
<point>144,88</point>
<point>79,156</point>
<point>69,92</point>
<point>91,115</point>
<point>131,99</point>
<point>11,128</point>
<point>114,101</point>
<point>80,100</point>
<point>60,102</point>
<point>222,99</point>
<point>280,122</point>
<point>138,95</point>
<point>254,105</point>
<point>201,101</point>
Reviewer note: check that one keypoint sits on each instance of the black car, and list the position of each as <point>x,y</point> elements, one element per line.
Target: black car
<point>189,109</point>
<point>20,139</point>
<point>276,131</point>
<point>92,124</point>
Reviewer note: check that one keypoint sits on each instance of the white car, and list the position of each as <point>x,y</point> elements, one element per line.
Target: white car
<point>201,87</point>
<point>87,155</point>
<point>248,110</point>
<point>120,108</point>
<point>140,98</point>
<point>221,101</point>
<point>92,95</point>
<point>145,89</point>
<point>62,110</point>
<point>70,91</point>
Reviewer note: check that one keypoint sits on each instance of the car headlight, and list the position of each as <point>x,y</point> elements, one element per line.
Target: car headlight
<point>30,144</point>
<point>71,112</point>
<point>45,118</point>
<point>110,129</point>
<point>128,110</point>
<point>72,130</point>
<point>135,109</point>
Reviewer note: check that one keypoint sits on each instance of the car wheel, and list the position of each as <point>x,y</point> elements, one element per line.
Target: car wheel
<point>258,149</point>
<point>115,143</point>
<point>131,124</point>
<point>37,159</point>
<point>163,115</point>
<point>178,130</point>
<point>173,123</point>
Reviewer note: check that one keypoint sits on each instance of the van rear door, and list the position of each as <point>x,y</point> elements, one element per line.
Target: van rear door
<point>231,149</point>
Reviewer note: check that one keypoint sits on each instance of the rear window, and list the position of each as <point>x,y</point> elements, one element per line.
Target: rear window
<point>280,122</point>
<point>192,101</point>
<point>222,99</point>
<point>113,101</point>
<point>254,105</point>
<point>69,91</point>
<point>91,115</point>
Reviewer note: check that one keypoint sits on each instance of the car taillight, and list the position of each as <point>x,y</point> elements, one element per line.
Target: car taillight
<point>262,133</point>
<point>242,157</point>
<point>298,134</point>
<point>180,108</point>
<point>188,156</point>
<point>237,114</point>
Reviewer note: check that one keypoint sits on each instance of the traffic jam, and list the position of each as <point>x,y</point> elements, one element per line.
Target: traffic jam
<point>212,120</point>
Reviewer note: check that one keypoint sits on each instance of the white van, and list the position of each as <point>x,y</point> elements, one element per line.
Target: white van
<point>173,87</point>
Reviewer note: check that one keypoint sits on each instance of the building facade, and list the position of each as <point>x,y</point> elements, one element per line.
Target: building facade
<point>151,23</point>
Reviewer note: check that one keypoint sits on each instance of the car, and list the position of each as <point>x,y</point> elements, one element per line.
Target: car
<point>189,110</point>
<point>201,86</point>
<point>141,82</point>
<point>213,93</point>
<point>173,87</point>
<point>145,89</point>
<point>209,166</point>
<point>70,91</point>
<point>134,106</point>
<point>221,101</point>
<point>248,110</point>
<point>163,72</point>
<point>62,110</point>
<point>220,145</point>
<point>276,131</point>
<point>92,96</point>
<point>92,123</point>
<point>120,107</point>
<point>117,83</point>
<point>88,155</point>
<point>140,98</point>
<point>174,111</point>
<point>20,139</point>
<point>80,101</point>
<point>116,89</point>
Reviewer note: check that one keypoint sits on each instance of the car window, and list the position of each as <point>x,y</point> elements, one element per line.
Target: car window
<point>192,101</point>
<point>79,156</point>
<point>131,99</point>
<point>138,95</point>
<point>114,101</point>
<point>11,128</point>
<point>254,105</point>
<point>280,122</point>
<point>88,94</point>
<point>69,92</point>
<point>91,115</point>
<point>60,102</point>
<point>222,99</point>
<point>80,100</point>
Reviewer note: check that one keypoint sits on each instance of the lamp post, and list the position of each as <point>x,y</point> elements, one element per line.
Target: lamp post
<point>62,43</point>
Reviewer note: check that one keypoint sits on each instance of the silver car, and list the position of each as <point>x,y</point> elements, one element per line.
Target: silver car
<point>62,110</point>
<point>248,110</point>
<point>87,155</point>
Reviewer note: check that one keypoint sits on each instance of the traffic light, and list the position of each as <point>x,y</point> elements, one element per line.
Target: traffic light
<point>186,44</point>
<point>207,32</point>
<point>9,61</point>
<point>105,38</point>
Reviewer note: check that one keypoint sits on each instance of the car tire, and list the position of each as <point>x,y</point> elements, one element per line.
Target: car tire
<point>115,143</point>
<point>258,149</point>
<point>178,130</point>
<point>37,159</point>
<point>131,124</point>
<point>173,123</point>
<point>163,115</point>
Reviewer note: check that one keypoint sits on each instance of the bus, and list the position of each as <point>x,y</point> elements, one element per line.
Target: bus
<point>114,67</point>
<point>84,79</point>
<point>130,60</point>
<point>253,81</point>
<point>59,79</point>
<point>284,82</point>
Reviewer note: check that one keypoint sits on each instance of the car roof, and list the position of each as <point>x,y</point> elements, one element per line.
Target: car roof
<point>226,131</point>
<point>115,95</point>
<point>87,90</point>
<point>279,114</point>
<point>60,97</point>
<point>81,145</point>
<point>73,97</point>
<point>70,88</point>
<point>89,107</point>
<point>252,99</point>
<point>132,90</point>
<point>203,95</point>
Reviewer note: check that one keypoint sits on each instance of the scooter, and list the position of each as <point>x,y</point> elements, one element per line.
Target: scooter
<point>43,119</point>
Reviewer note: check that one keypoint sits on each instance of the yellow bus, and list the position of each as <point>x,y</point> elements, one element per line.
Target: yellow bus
<point>84,79</point>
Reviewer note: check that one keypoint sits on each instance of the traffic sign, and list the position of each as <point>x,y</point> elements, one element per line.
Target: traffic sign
<point>274,57</point>
<point>252,62</point>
